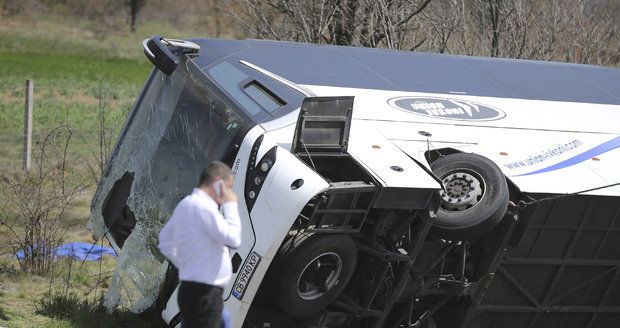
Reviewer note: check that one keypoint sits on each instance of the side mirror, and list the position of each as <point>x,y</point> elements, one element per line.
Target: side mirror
<point>158,50</point>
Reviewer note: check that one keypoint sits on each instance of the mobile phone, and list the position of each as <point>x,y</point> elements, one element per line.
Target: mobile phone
<point>217,185</point>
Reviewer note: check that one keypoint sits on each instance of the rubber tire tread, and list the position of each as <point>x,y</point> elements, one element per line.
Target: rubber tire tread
<point>290,266</point>
<point>487,213</point>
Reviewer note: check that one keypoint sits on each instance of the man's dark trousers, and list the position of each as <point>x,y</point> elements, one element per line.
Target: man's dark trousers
<point>200,305</point>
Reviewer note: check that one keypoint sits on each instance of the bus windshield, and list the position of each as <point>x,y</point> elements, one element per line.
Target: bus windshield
<point>178,125</point>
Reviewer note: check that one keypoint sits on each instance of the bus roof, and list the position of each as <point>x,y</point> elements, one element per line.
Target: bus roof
<point>382,69</point>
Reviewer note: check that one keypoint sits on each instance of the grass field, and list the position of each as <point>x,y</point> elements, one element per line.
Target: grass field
<point>78,74</point>
<point>62,299</point>
<point>70,70</point>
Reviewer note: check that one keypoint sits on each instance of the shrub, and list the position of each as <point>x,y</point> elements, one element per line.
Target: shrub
<point>32,202</point>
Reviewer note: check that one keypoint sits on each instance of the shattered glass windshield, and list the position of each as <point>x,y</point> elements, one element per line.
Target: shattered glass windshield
<point>178,126</point>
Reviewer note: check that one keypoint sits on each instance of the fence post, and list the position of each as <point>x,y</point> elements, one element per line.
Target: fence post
<point>28,123</point>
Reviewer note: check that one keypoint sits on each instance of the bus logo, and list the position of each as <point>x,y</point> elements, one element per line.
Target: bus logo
<point>447,109</point>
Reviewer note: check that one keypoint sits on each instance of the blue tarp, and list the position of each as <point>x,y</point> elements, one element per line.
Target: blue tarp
<point>79,251</point>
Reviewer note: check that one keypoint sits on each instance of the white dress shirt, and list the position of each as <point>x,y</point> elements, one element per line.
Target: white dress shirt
<point>197,236</point>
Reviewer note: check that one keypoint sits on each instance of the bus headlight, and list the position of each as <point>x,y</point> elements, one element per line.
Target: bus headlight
<point>257,172</point>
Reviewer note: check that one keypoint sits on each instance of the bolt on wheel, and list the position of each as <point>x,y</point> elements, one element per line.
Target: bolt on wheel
<point>462,190</point>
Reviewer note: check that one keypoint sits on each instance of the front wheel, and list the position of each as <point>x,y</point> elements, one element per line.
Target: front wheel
<point>474,199</point>
<point>313,274</point>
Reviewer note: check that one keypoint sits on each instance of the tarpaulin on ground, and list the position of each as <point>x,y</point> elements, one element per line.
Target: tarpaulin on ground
<point>79,251</point>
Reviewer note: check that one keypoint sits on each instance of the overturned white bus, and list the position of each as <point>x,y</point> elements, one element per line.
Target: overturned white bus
<point>380,188</point>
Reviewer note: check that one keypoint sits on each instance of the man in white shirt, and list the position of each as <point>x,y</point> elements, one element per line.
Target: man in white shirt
<point>196,240</point>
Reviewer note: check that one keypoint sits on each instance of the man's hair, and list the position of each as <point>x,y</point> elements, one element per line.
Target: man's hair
<point>215,170</point>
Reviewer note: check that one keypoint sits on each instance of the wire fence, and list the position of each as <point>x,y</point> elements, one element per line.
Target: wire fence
<point>12,142</point>
<point>18,86</point>
<point>92,114</point>
<point>17,137</point>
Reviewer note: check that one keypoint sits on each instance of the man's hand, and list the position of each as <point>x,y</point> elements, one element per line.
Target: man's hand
<point>228,195</point>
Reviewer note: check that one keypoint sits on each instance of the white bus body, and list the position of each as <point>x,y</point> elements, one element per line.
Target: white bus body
<point>399,178</point>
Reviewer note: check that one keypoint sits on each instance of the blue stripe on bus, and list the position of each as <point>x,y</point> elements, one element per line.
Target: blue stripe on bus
<point>588,154</point>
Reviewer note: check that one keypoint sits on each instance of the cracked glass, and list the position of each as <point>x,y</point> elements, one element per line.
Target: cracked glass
<point>178,126</point>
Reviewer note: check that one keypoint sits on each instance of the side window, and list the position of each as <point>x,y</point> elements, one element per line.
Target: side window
<point>253,97</point>
<point>229,78</point>
<point>266,99</point>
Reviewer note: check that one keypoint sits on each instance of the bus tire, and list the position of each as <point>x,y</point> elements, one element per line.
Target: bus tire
<point>474,198</point>
<point>313,274</point>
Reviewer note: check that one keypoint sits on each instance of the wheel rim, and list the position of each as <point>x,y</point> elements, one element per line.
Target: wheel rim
<point>462,190</point>
<point>319,276</point>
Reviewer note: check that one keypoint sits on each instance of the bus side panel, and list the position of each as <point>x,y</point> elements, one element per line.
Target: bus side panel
<point>276,208</point>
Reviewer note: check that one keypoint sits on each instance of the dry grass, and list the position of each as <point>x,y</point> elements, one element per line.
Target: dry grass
<point>69,60</point>
<point>68,297</point>
<point>69,57</point>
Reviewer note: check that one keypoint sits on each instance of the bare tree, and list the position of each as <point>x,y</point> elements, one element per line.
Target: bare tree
<point>589,33</point>
<point>33,202</point>
<point>544,24</point>
<point>11,7</point>
<point>566,30</point>
<point>368,23</point>
<point>443,20</point>
<point>134,8</point>
<point>502,26</point>
<point>105,132</point>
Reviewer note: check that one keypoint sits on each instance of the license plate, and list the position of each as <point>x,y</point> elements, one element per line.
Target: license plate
<point>245,275</point>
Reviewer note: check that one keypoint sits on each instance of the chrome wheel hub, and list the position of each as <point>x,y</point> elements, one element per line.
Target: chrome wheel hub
<point>319,276</point>
<point>461,191</point>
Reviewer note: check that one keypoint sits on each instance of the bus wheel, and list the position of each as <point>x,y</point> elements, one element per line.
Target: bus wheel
<point>474,198</point>
<point>313,274</point>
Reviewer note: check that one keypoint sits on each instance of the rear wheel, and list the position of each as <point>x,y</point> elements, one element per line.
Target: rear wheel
<point>474,199</point>
<point>313,274</point>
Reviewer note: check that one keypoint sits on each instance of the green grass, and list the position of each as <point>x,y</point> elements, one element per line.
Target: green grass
<point>73,62</point>
<point>69,67</point>
<point>69,308</point>
<point>75,75</point>
<point>68,297</point>
<point>63,53</point>
<point>68,70</point>
<point>78,67</point>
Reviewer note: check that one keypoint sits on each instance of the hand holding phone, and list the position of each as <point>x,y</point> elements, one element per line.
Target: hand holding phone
<point>223,191</point>
<point>217,186</point>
